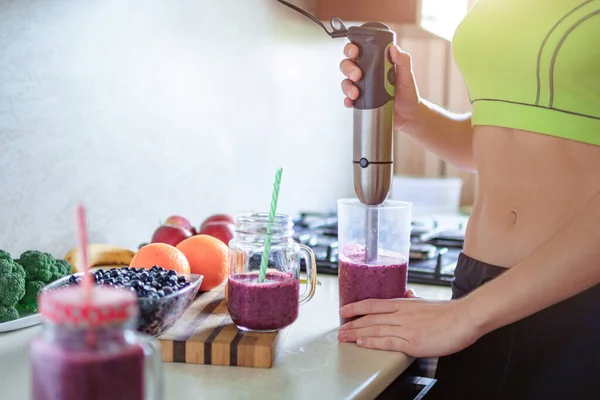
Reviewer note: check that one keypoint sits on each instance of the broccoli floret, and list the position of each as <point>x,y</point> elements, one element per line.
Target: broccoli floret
<point>39,266</point>
<point>29,301</point>
<point>5,255</point>
<point>63,268</point>
<point>12,282</point>
<point>8,314</point>
<point>40,269</point>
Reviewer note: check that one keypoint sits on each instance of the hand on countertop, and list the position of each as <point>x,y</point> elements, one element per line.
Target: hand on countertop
<point>414,326</point>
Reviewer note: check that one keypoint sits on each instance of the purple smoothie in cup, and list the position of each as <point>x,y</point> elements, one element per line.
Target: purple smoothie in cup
<point>383,279</point>
<point>266,306</point>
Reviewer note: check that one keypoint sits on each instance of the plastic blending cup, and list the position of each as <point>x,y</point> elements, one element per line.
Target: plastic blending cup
<point>384,232</point>
<point>90,349</point>
<point>272,304</point>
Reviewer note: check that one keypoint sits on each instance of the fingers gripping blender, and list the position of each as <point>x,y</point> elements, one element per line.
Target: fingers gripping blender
<point>373,119</point>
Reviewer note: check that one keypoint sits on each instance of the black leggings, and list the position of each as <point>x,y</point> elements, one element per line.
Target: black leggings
<point>553,354</point>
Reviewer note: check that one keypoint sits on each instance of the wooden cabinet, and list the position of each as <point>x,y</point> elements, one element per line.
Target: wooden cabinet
<point>386,11</point>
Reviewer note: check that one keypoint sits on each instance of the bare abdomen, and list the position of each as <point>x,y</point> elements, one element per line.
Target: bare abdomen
<point>529,186</point>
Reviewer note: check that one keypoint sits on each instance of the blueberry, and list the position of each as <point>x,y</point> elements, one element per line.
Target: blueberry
<point>181,279</point>
<point>135,283</point>
<point>144,276</point>
<point>161,293</point>
<point>119,280</point>
<point>114,273</point>
<point>156,285</point>
<point>125,269</point>
<point>172,273</point>
<point>150,289</point>
<point>172,280</point>
<point>182,285</point>
<point>126,278</point>
<point>100,272</point>
<point>72,278</point>
<point>167,290</point>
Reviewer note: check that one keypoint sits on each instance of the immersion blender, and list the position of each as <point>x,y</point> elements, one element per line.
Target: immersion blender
<point>373,118</point>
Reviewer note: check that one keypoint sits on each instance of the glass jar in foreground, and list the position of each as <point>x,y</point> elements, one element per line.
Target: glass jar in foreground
<point>90,350</point>
<point>273,304</point>
<point>385,275</point>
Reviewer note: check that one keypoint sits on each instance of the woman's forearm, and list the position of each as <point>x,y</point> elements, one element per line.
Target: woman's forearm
<point>567,264</point>
<point>446,134</point>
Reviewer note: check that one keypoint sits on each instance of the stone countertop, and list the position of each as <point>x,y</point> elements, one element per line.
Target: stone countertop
<point>310,364</point>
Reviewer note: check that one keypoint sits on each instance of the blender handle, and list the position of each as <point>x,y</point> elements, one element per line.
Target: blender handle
<point>376,87</point>
<point>153,370</point>
<point>311,271</point>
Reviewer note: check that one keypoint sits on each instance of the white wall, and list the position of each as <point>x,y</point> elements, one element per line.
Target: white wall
<point>144,108</point>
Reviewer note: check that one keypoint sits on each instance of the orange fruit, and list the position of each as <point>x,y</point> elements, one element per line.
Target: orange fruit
<point>163,255</point>
<point>208,256</point>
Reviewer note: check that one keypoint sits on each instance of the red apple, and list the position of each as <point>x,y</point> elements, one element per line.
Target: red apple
<point>182,222</point>
<point>170,234</point>
<point>221,230</point>
<point>218,218</point>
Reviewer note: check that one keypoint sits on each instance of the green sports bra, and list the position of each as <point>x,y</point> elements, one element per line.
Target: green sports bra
<point>533,65</point>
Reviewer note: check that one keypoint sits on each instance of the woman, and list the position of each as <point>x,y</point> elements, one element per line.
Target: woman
<point>524,321</point>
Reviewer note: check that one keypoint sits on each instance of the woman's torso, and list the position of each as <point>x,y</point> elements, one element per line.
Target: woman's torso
<point>530,66</point>
<point>529,186</point>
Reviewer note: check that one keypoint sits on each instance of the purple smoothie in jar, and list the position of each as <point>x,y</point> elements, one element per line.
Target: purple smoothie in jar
<point>89,349</point>
<point>266,306</point>
<point>386,278</point>
<point>58,373</point>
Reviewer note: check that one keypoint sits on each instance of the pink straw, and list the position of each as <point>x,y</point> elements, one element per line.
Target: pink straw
<point>83,245</point>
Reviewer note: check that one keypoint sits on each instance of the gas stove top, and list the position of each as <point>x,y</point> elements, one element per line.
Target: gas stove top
<point>434,247</point>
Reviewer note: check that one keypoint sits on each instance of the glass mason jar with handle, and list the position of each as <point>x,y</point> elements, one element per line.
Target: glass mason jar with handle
<point>272,304</point>
<point>89,349</point>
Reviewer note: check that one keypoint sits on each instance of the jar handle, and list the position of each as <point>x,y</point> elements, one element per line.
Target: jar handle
<point>153,370</point>
<point>311,271</point>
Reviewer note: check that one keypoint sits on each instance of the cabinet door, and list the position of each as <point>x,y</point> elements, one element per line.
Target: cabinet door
<point>386,11</point>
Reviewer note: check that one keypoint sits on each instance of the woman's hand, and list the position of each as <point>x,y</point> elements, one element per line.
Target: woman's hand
<point>407,94</point>
<point>417,327</point>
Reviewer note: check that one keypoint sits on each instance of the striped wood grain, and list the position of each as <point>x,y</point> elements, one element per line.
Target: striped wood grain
<point>205,334</point>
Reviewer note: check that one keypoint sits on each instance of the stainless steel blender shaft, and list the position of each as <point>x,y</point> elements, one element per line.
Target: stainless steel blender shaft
<point>373,167</point>
<point>373,153</point>
<point>372,234</point>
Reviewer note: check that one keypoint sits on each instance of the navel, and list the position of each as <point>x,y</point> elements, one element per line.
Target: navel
<point>512,217</point>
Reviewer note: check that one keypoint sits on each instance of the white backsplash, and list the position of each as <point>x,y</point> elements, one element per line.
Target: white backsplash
<point>143,109</point>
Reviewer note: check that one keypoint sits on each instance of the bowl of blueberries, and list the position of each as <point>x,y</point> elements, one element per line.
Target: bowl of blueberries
<point>163,295</point>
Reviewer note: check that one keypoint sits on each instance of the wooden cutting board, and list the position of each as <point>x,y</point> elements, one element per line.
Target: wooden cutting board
<point>205,334</point>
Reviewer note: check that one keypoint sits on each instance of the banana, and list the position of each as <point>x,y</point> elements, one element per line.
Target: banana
<point>103,255</point>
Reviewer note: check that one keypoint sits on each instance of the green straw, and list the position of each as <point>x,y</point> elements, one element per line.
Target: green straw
<point>265,256</point>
